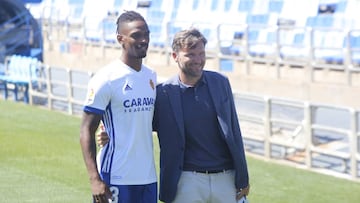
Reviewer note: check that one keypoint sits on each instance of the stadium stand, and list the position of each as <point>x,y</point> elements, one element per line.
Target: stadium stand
<point>20,33</point>
<point>281,32</point>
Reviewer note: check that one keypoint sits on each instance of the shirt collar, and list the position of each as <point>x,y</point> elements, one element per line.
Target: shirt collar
<point>201,81</point>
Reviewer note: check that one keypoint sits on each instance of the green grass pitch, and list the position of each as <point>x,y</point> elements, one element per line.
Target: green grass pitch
<point>41,161</point>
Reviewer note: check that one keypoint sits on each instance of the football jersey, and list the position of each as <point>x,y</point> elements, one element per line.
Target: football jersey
<point>125,98</point>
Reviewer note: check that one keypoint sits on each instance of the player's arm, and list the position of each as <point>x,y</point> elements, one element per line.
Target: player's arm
<point>89,125</point>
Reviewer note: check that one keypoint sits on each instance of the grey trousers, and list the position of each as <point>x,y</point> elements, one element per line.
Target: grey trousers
<point>196,187</point>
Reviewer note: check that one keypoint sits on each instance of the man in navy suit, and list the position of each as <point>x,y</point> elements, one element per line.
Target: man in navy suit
<point>202,155</point>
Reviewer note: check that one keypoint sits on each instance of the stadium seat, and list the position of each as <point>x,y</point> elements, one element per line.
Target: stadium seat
<point>275,6</point>
<point>257,19</point>
<point>76,13</point>
<point>227,5</point>
<point>195,4</point>
<point>265,45</point>
<point>118,3</point>
<point>354,47</point>
<point>20,71</point>
<point>246,6</point>
<point>109,30</point>
<point>173,9</point>
<point>329,46</point>
<point>298,49</point>
<point>156,5</point>
<point>157,25</point>
<point>93,28</point>
<point>251,37</point>
<point>182,11</point>
<point>320,21</point>
<point>209,30</point>
<point>341,6</point>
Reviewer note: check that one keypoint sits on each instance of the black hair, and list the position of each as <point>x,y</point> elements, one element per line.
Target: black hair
<point>128,16</point>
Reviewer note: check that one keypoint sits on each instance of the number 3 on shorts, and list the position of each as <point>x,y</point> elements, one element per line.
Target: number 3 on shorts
<point>115,194</point>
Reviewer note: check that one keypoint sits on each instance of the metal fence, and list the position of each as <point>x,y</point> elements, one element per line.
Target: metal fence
<point>314,136</point>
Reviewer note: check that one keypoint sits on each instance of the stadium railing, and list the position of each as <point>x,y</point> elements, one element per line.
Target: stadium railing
<point>302,133</point>
<point>65,89</point>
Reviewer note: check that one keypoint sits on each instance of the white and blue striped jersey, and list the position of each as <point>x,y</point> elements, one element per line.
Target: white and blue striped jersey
<point>125,98</point>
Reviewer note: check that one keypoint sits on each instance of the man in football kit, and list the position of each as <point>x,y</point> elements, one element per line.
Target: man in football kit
<point>122,96</point>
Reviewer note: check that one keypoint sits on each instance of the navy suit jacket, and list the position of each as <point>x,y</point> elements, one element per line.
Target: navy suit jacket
<point>169,124</point>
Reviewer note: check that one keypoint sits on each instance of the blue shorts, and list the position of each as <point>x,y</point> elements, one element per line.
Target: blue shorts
<point>134,193</point>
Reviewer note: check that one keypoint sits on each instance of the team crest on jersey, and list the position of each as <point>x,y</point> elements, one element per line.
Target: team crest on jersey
<point>152,85</point>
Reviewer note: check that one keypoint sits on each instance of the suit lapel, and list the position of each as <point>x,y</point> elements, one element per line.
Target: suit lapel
<point>175,103</point>
<point>214,91</point>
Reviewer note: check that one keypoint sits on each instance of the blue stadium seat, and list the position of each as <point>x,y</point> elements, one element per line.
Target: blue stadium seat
<point>156,5</point>
<point>214,5</point>
<point>75,19</point>
<point>157,26</point>
<point>246,6</point>
<point>354,47</point>
<point>157,39</point>
<point>263,47</point>
<point>299,39</point>
<point>195,5</point>
<point>93,28</point>
<point>341,6</point>
<point>118,3</point>
<point>298,49</point>
<point>251,36</point>
<point>275,6</point>
<point>174,9</point>
<point>21,71</point>
<point>227,6</point>
<point>329,45</point>
<point>320,21</point>
<point>75,2</point>
<point>257,19</point>
<point>76,12</point>
<point>109,30</point>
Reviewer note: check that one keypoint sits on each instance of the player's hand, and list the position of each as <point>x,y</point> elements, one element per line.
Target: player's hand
<point>102,139</point>
<point>242,192</point>
<point>101,192</point>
